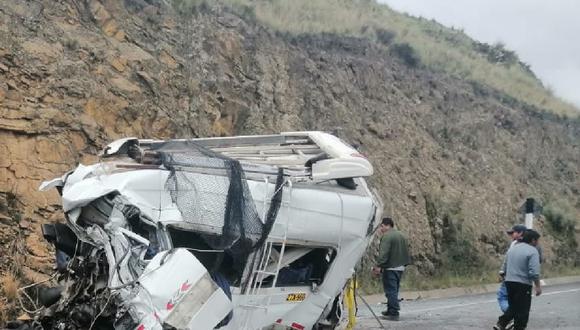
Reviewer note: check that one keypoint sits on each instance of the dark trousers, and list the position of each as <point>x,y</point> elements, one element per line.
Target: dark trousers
<point>520,300</point>
<point>391,284</point>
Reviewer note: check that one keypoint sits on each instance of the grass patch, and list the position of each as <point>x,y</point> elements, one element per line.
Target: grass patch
<point>560,271</point>
<point>415,281</point>
<point>439,48</point>
<point>9,284</point>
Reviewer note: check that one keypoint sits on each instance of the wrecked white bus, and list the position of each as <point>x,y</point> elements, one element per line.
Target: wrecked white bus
<point>238,232</point>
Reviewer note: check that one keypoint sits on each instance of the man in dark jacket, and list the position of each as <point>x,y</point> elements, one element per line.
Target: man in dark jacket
<point>522,269</point>
<point>393,257</point>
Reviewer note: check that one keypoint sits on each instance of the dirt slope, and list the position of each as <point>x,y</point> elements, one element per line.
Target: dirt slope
<point>453,159</point>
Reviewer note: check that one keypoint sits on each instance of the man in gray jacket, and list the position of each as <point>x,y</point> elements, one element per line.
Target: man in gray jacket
<point>521,268</point>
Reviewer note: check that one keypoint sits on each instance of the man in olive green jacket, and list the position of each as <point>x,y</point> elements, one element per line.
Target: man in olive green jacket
<point>393,257</point>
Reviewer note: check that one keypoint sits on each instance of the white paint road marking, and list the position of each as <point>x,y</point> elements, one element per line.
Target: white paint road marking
<point>483,302</point>
<point>450,306</point>
<point>557,292</point>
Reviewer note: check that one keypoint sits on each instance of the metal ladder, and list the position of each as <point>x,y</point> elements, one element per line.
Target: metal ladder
<point>268,252</point>
<point>260,272</point>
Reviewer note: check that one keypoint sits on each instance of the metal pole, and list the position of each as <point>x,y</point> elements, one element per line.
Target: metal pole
<point>370,309</point>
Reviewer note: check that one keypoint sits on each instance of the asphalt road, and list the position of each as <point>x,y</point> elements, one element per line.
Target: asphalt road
<point>557,308</point>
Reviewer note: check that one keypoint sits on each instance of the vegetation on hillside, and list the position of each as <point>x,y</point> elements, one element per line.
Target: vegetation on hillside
<point>415,40</point>
<point>563,220</point>
<point>561,216</point>
<point>418,42</point>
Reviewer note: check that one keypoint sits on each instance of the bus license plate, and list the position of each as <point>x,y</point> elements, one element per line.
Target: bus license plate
<point>296,296</point>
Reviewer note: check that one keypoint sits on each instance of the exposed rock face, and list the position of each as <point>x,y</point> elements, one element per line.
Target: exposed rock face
<point>75,75</point>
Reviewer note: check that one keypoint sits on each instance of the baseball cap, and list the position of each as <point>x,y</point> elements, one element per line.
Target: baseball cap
<point>517,228</point>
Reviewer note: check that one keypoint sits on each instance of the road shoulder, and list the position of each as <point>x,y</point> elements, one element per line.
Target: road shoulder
<point>458,292</point>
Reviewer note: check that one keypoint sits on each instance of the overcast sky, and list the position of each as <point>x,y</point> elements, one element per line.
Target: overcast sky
<point>544,33</point>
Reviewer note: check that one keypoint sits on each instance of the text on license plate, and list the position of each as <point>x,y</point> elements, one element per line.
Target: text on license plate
<point>296,296</point>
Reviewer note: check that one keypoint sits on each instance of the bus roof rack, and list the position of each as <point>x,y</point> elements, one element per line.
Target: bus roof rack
<point>318,155</point>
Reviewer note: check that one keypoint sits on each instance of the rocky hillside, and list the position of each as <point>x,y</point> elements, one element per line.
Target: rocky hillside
<point>420,41</point>
<point>453,159</point>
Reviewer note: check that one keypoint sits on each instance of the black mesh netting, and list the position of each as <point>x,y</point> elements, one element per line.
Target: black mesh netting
<point>211,193</point>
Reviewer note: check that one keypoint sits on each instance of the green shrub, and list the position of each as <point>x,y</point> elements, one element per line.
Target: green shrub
<point>189,7</point>
<point>561,217</point>
<point>562,220</point>
<point>455,245</point>
<point>71,44</point>
<point>498,53</point>
<point>406,53</point>
<point>385,36</point>
<point>461,257</point>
